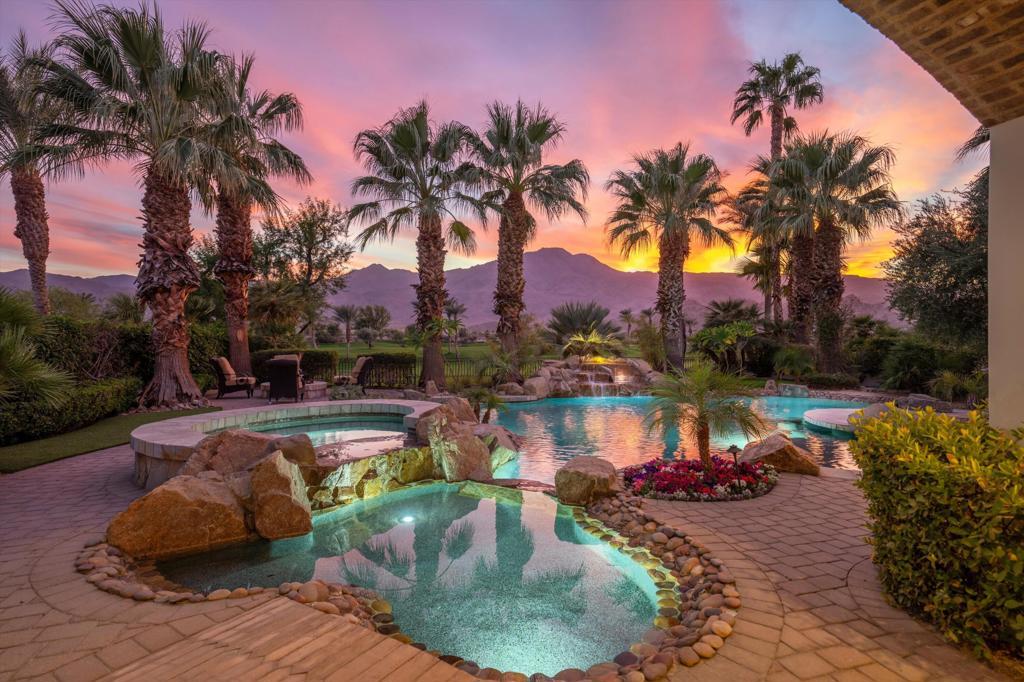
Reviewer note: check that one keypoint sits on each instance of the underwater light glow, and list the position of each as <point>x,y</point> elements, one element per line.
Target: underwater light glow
<point>407,519</point>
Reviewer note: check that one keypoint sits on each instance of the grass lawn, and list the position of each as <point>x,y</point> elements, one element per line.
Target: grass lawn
<point>105,433</point>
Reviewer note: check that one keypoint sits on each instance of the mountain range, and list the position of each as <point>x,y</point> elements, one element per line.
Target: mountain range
<point>553,276</point>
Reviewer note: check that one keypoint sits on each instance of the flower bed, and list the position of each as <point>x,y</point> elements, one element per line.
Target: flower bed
<point>686,479</point>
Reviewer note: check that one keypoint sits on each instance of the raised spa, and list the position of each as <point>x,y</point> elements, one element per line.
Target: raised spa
<point>502,577</point>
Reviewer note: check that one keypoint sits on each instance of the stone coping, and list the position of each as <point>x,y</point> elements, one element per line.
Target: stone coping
<point>832,418</point>
<point>162,447</point>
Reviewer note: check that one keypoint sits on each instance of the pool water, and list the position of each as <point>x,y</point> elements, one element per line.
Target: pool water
<point>556,430</point>
<point>384,430</point>
<point>501,577</point>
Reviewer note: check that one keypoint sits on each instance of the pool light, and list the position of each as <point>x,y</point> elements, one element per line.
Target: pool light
<point>407,519</point>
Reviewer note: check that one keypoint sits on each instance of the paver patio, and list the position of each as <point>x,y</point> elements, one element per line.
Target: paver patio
<point>812,607</point>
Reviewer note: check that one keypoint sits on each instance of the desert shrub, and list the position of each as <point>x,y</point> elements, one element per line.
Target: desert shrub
<point>947,519</point>
<point>85,404</point>
<point>651,343</point>
<point>910,364</point>
<point>206,341</point>
<point>794,361</point>
<point>315,364</point>
<point>831,381</point>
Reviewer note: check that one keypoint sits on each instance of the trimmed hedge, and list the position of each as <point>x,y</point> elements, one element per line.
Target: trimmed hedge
<point>947,517</point>
<point>316,364</point>
<point>28,419</point>
<point>831,381</point>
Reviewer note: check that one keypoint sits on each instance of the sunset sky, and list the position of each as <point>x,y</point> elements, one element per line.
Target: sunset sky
<point>625,77</point>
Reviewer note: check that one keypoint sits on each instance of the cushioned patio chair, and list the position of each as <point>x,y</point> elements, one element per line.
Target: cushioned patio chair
<point>285,379</point>
<point>354,376</point>
<point>228,381</point>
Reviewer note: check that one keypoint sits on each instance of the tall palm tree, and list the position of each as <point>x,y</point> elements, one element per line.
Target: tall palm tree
<point>416,176</point>
<point>510,159</point>
<point>838,186</point>
<point>669,199</point>
<point>648,315</point>
<point>775,89</point>
<point>346,314</point>
<point>144,93</point>
<point>729,310</point>
<point>701,403</point>
<point>453,310</point>
<point>23,111</point>
<point>750,211</point>
<point>247,123</point>
<point>627,318</point>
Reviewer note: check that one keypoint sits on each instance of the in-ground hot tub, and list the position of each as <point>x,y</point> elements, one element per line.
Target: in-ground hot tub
<point>161,448</point>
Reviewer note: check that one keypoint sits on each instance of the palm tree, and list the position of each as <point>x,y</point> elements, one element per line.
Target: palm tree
<point>454,311</point>
<point>627,318</point>
<point>648,315</point>
<point>22,374</point>
<point>416,176</point>
<point>346,314</point>
<point>839,187</point>
<point>729,310</point>
<point>247,123</point>
<point>145,94</point>
<point>23,112</point>
<point>767,244</point>
<point>669,199</point>
<point>701,403</point>
<point>575,317</point>
<point>123,307</point>
<point>509,155</point>
<point>774,89</point>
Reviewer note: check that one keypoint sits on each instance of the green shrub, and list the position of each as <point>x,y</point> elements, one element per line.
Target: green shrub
<point>947,517</point>
<point>868,354</point>
<point>319,365</point>
<point>831,381</point>
<point>759,356</point>
<point>29,420</point>
<point>910,365</point>
<point>793,361</point>
<point>209,340</point>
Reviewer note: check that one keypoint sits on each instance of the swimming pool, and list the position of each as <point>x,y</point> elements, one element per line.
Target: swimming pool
<point>384,429</point>
<point>558,429</point>
<point>502,577</point>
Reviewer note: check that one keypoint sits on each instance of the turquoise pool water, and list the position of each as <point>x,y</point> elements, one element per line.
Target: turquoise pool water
<point>556,430</point>
<point>497,576</point>
<point>383,429</point>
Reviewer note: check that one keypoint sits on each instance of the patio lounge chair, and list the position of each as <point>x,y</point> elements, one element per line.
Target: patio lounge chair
<point>352,377</point>
<point>228,381</point>
<point>285,379</point>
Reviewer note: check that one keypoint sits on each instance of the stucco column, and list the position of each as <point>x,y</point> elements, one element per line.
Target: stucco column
<point>1006,275</point>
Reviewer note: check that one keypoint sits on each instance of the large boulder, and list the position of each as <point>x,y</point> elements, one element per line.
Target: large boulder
<point>537,386</point>
<point>227,452</point>
<point>440,415</point>
<point>511,388</point>
<point>503,445</point>
<point>409,465</point>
<point>185,515</point>
<point>458,454</point>
<point>280,506</point>
<point>779,451</point>
<point>584,479</point>
<point>794,391</point>
<point>464,412</point>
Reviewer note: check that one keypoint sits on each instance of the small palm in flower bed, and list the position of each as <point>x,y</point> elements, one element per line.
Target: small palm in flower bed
<point>690,480</point>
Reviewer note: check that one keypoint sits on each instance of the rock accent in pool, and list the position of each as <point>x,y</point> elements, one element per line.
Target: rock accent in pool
<point>239,486</point>
<point>585,479</point>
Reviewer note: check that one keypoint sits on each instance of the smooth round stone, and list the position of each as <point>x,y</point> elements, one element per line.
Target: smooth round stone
<point>643,649</point>
<point>655,671</point>
<point>713,641</point>
<point>634,676</point>
<point>733,602</point>
<point>387,628</point>
<point>730,591</point>
<point>450,659</point>
<point>468,667</point>
<point>712,601</point>
<point>96,578</point>
<point>704,650</point>
<point>217,595</point>
<point>380,606</point>
<point>721,628</point>
<point>654,637</point>
<point>627,658</point>
<point>602,669</point>
<point>383,618</point>
<point>326,607</point>
<point>143,594</point>
<point>313,591</point>
<point>513,677</point>
<point>570,675</point>
<point>489,674</point>
<point>401,637</point>
<point>724,577</point>
<point>659,538</point>
<point>688,657</point>
<point>238,593</point>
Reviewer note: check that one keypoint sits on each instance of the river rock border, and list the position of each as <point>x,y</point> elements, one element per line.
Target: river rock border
<point>697,597</point>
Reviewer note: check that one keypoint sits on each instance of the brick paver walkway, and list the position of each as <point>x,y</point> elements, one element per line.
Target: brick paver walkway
<point>811,603</point>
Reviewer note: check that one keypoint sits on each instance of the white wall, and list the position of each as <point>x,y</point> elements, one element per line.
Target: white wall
<point>1006,275</point>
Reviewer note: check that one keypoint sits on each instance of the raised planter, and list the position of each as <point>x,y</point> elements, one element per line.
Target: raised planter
<point>161,448</point>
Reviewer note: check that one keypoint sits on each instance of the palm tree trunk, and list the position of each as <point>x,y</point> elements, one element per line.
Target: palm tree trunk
<point>672,250</point>
<point>167,275</point>
<point>828,295</point>
<point>234,269</point>
<point>508,293</point>
<point>776,284</point>
<point>431,295</point>
<point>776,267</point>
<point>802,287</point>
<point>32,229</point>
<point>704,445</point>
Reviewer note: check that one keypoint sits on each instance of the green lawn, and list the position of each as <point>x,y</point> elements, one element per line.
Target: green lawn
<point>105,433</point>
